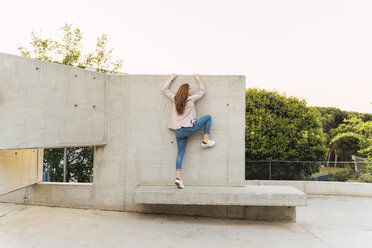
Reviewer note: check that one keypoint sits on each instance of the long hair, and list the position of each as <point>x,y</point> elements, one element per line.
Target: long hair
<point>180,98</point>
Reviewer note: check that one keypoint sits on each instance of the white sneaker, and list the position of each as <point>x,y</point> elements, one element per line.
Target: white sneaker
<point>179,183</point>
<point>210,143</point>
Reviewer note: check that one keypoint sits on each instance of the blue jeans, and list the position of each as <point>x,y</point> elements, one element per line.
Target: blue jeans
<point>184,132</point>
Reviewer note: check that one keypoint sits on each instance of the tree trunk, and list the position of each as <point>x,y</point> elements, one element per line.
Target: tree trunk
<point>335,159</point>
<point>328,155</point>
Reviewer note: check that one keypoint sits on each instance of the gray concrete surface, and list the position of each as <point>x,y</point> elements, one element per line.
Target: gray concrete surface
<point>321,188</point>
<point>327,221</point>
<point>50,105</point>
<point>124,116</point>
<point>276,203</point>
<point>250,195</point>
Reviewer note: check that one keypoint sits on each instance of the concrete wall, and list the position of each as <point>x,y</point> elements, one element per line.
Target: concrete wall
<point>82,195</point>
<point>141,150</point>
<point>19,168</point>
<point>153,146</point>
<point>322,188</point>
<point>37,104</point>
<point>129,127</point>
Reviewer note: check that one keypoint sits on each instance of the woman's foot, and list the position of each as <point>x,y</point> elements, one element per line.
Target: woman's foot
<point>210,143</point>
<point>179,183</point>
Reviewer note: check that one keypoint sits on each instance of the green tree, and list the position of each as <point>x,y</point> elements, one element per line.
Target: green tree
<point>344,141</point>
<point>332,119</point>
<point>282,128</point>
<point>68,52</point>
<point>79,164</point>
<point>353,137</point>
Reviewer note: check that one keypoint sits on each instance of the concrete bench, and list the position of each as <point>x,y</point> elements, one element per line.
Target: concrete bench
<point>253,202</point>
<point>249,195</point>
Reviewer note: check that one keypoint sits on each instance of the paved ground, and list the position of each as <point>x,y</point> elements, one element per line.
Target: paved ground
<point>327,221</point>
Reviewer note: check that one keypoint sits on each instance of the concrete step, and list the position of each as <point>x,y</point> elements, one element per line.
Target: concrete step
<point>249,195</point>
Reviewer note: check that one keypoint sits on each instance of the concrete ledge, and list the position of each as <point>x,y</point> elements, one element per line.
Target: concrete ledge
<point>54,194</point>
<point>266,213</point>
<point>320,188</point>
<point>76,195</point>
<point>249,195</point>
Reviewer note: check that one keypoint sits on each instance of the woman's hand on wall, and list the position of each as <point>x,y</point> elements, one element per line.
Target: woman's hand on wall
<point>197,78</point>
<point>173,76</point>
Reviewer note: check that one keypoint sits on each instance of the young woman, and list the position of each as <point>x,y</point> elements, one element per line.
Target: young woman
<point>183,119</point>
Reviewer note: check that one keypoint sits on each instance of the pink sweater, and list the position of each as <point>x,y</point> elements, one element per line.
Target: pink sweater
<point>189,115</point>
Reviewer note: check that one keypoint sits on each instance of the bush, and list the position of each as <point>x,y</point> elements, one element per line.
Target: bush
<point>369,168</point>
<point>281,128</point>
<point>344,175</point>
<point>349,175</point>
<point>365,178</point>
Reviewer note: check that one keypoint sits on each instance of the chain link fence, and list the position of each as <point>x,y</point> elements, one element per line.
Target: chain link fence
<point>298,170</point>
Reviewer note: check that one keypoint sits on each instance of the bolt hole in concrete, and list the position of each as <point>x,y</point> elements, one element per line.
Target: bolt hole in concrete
<point>94,78</point>
<point>227,105</point>
<point>94,106</point>
<point>75,105</point>
<point>75,75</point>
<point>37,68</point>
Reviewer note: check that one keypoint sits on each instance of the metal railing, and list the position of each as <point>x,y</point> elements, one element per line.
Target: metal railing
<point>296,170</point>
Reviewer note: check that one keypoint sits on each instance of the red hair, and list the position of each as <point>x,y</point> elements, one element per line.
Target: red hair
<point>180,98</point>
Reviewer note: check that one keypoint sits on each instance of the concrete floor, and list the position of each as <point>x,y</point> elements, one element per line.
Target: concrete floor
<point>327,221</point>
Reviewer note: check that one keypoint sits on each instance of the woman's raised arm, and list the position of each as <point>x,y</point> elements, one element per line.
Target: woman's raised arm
<point>166,85</point>
<point>202,90</point>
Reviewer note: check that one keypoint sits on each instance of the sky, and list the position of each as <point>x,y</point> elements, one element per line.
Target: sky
<point>318,50</point>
